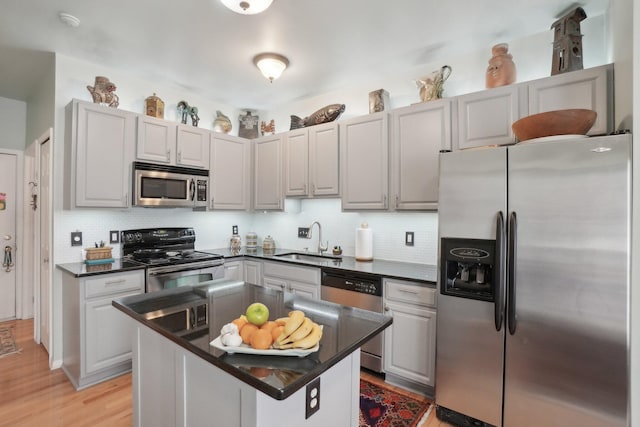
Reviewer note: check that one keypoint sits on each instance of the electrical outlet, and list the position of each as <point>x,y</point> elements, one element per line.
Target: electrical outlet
<point>234,229</point>
<point>408,238</point>
<point>303,232</point>
<point>114,236</point>
<point>312,398</point>
<point>76,238</point>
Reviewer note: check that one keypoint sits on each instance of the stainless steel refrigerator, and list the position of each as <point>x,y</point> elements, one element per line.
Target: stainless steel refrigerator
<point>533,303</point>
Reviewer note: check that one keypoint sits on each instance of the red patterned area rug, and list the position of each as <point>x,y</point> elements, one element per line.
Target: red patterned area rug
<point>382,407</point>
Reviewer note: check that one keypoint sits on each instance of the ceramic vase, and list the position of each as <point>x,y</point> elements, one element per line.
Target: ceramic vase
<point>501,70</point>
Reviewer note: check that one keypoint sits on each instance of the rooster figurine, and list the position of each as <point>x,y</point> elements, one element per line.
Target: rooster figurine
<point>102,92</point>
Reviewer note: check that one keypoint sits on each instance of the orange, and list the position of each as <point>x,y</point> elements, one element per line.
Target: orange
<point>275,332</point>
<point>246,332</point>
<point>261,339</point>
<point>268,325</point>
<point>240,322</point>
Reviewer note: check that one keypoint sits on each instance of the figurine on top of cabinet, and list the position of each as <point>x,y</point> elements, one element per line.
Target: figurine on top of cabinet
<point>102,92</point>
<point>248,125</point>
<point>323,115</point>
<point>185,109</point>
<point>271,127</point>
<point>567,42</point>
<point>221,123</point>
<point>501,70</point>
<point>154,107</point>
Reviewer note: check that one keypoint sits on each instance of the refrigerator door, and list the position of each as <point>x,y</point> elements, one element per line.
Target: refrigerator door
<point>469,350</point>
<point>567,360</point>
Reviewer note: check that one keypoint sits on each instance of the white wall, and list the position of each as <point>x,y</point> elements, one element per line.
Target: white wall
<point>13,124</point>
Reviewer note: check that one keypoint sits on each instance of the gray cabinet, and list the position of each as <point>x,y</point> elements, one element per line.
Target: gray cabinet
<point>591,89</point>
<point>298,280</point>
<point>100,142</point>
<point>312,161</point>
<point>252,272</point>
<point>364,162</point>
<point>485,118</point>
<point>230,173</point>
<point>233,270</point>
<point>96,336</point>
<point>410,342</point>
<point>418,133</point>
<point>267,180</point>
<point>192,146</point>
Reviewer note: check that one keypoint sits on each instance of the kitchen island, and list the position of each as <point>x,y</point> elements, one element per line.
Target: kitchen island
<point>179,379</point>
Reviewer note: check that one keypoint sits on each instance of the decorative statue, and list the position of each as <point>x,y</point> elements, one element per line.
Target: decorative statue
<point>432,86</point>
<point>567,42</point>
<point>378,100</point>
<point>271,127</point>
<point>501,70</point>
<point>323,115</point>
<point>102,92</point>
<point>248,126</point>
<point>221,123</point>
<point>193,112</point>
<point>185,110</point>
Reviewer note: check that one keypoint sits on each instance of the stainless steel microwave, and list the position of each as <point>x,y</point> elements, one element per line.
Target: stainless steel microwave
<point>169,186</point>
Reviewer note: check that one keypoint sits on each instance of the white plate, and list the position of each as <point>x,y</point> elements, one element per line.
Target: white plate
<point>244,348</point>
<point>554,138</point>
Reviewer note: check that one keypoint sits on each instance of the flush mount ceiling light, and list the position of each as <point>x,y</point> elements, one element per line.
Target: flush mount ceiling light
<point>247,7</point>
<point>271,65</point>
<point>69,19</point>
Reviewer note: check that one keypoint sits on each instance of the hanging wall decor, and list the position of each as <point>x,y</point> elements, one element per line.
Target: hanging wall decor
<point>567,42</point>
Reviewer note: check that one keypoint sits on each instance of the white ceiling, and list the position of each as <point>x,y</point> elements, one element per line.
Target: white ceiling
<point>205,48</point>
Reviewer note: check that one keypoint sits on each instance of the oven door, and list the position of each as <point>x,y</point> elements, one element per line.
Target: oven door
<point>174,276</point>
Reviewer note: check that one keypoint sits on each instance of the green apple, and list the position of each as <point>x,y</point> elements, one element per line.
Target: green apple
<point>257,313</point>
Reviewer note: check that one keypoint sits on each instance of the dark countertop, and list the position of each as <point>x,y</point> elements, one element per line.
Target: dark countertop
<point>344,330</point>
<point>80,269</point>
<point>400,270</point>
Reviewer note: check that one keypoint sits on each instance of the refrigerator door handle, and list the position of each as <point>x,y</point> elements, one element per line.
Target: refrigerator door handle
<point>498,280</point>
<point>511,292</point>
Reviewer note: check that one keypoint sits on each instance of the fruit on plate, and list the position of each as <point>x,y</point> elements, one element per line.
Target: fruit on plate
<point>261,339</point>
<point>257,313</point>
<point>299,332</point>
<point>240,321</point>
<point>246,332</point>
<point>229,335</point>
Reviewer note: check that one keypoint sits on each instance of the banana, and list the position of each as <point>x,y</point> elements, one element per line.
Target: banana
<point>296,318</point>
<point>311,339</point>
<point>302,331</point>
<point>281,321</point>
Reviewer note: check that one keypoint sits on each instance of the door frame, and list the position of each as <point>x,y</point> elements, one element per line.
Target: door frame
<point>18,227</point>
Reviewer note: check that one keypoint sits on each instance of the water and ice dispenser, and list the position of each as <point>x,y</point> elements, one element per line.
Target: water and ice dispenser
<point>468,268</point>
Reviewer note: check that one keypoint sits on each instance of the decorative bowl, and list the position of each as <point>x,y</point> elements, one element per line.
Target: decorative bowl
<point>551,123</point>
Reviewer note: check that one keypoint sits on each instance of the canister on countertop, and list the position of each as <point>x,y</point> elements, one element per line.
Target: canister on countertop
<point>364,243</point>
<point>252,239</point>
<point>268,245</point>
<point>235,243</point>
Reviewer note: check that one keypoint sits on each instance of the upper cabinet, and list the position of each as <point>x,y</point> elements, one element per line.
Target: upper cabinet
<point>267,179</point>
<point>591,89</point>
<point>160,141</point>
<point>230,173</point>
<point>364,162</point>
<point>311,164</point>
<point>100,145</point>
<point>418,134</point>
<point>485,118</point>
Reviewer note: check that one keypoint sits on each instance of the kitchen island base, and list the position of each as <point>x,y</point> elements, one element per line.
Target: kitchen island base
<point>174,387</point>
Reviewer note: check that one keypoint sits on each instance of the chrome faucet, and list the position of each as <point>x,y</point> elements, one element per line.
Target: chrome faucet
<point>321,249</point>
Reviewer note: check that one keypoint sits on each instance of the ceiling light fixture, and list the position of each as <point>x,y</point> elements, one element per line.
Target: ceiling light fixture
<point>247,7</point>
<point>271,65</point>
<point>69,19</point>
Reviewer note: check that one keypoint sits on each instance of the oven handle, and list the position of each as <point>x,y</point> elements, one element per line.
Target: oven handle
<point>154,271</point>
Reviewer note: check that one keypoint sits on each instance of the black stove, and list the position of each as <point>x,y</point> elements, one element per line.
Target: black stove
<point>163,246</point>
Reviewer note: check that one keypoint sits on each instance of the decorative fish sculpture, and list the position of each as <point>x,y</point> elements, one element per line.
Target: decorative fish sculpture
<point>323,115</point>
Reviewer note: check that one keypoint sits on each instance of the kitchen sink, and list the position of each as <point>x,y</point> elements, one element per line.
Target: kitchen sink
<point>309,257</point>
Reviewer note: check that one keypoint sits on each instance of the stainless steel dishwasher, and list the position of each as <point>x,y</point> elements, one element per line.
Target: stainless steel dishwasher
<point>359,290</point>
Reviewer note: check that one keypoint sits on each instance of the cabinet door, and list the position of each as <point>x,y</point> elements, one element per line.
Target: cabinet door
<point>268,174</point>
<point>104,143</point>
<point>364,162</point>
<point>410,343</point>
<point>253,272</point>
<point>485,118</point>
<point>419,132</point>
<point>591,89</point>
<point>274,283</point>
<point>324,164</point>
<point>230,173</point>
<point>296,163</point>
<point>107,335</point>
<point>233,270</point>
<point>192,147</point>
<point>156,140</point>
<point>304,289</point>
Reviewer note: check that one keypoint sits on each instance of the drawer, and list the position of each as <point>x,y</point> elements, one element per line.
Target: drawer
<point>114,283</point>
<point>409,292</point>
<point>291,272</point>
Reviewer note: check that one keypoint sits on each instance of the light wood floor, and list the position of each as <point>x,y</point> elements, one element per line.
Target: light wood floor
<point>33,395</point>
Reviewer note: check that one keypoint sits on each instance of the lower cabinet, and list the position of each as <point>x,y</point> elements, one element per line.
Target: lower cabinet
<point>304,281</point>
<point>252,272</point>
<point>96,336</point>
<point>234,270</point>
<point>410,342</point>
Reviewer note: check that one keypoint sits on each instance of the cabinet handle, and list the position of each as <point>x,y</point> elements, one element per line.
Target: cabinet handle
<point>114,282</point>
<point>168,155</point>
<point>397,200</point>
<point>179,156</point>
<point>386,307</point>
<point>212,203</point>
<point>408,291</point>
<point>313,188</point>
<point>304,188</point>
<point>384,200</point>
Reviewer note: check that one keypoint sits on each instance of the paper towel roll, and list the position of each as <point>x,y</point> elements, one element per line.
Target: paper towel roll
<point>364,243</point>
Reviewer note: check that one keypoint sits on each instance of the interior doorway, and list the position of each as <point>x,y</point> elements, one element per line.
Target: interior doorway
<point>9,211</point>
